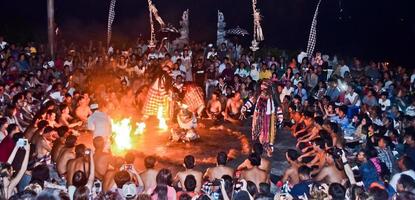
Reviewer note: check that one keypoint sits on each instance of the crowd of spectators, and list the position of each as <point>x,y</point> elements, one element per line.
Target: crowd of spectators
<point>354,123</point>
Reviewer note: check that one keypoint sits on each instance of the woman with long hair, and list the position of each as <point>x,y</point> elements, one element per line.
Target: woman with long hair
<point>164,190</point>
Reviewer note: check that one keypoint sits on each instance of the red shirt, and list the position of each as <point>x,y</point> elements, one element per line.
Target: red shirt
<point>6,148</point>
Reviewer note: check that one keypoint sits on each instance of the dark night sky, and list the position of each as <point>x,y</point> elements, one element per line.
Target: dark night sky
<point>367,28</point>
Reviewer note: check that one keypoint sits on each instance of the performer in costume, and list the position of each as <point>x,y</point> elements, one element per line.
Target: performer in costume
<point>264,119</point>
<point>194,98</point>
<point>187,123</point>
<point>159,94</point>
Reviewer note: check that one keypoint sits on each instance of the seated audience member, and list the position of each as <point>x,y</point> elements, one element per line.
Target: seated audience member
<point>220,170</point>
<point>189,164</point>
<point>255,174</point>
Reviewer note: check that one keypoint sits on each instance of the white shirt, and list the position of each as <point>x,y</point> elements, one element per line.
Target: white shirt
<point>3,45</point>
<point>343,70</point>
<point>285,92</point>
<point>210,54</point>
<point>57,96</point>
<point>177,72</point>
<point>222,67</point>
<point>68,63</point>
<point>254,75</point>
<point>352,97</point>
<point>384,104</point>
<point>394,181</point>
<point>100,124</point>
<point>174,58</point>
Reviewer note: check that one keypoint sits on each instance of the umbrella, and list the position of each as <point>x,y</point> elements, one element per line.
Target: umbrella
<point>237,31</point>
<point>169,31</point>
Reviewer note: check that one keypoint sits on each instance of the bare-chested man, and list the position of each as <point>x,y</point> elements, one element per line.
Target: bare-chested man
<point>44,143</point>
<point>291,174</point>
<point>149,174</point>
<point>214,107</point>
<point>59,143</point>
<point>66,118</point>
<point>189,164</point>
<point>67,154</point>
<point>51,118</point>
<point>314,156</point>
<point>83,111</point>
<point>102,159</point>
<point>34,136</point>
<point>108,183</point>
<point>80,163</point>
<point>233,109</point>
<point>255,174</point>
<point>265,163</point>
<point>330,173</point>
<point>220,170</point>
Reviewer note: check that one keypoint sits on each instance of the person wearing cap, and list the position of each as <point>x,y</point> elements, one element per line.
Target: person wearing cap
<point>99,123</point>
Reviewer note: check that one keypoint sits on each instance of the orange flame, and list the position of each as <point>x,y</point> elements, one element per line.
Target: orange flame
<point>162,121</point>
<point>121,136</point>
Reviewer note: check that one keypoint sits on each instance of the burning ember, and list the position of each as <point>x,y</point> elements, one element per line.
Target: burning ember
<point>121,131</point>
<point>162,122</point>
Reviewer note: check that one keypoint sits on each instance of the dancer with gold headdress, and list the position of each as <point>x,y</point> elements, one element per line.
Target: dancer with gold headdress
<point>264,119</point>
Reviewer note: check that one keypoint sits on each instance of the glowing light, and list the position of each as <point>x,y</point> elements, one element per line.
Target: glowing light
<point>162,121</point>
<point>121,136</point>
<point>141,126</point>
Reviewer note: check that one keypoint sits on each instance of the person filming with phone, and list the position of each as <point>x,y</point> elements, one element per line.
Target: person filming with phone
<point>9,178</point>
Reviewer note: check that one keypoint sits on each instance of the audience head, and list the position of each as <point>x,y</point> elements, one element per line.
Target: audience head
<point>221,158</point>
<point>190,183</point>
<point>149,162</point>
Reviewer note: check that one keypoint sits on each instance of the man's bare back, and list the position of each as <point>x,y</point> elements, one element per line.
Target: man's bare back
<point>57,149</point>
<point>265,165</point>
<point>43,148</point>
<point>149,178</point>
<point>66,155</point>
<point>330,174</point>
<point>255,175</point>
<point>78,164</point>
<point>198,175</point>
<point>218,171</point>
<point>108,181</point>
<point>291,175</point>
<point>102,161</point>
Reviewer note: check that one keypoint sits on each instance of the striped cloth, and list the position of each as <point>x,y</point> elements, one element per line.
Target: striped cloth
<point>193,97</point>
<point>155,99</point>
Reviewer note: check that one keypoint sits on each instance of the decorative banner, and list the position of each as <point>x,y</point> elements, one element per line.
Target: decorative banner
<point>312,39</point>
<point>258,34</point>
<point>153,11</point>
<point>111,17</point>
<point>221,33</point>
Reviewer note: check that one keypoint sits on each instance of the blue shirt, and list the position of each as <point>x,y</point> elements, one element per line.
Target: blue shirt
<point>302,188</point>
<point>369,174</point>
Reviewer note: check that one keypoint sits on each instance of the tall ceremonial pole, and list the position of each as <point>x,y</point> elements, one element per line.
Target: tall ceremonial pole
<point>51,22</point>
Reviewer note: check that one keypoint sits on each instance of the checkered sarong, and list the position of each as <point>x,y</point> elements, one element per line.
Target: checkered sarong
<point>155,99</point>
<point>193,97</point>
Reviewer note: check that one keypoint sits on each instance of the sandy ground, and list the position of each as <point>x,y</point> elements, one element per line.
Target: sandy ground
<point>233,139</point>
